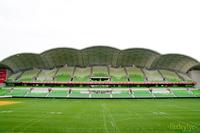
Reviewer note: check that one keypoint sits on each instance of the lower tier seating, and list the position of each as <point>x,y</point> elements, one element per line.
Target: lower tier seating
<point>142,93</point>
<point>19,92</point>
<point>100,93</point>
<point>77,94</point>
<point>121,94</point>
<point>196,92</point>
<point>36,93</point>
<point>58,93</point>
<point>182,93</point>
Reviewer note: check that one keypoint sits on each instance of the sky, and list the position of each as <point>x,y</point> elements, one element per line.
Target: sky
<point>166,26</point>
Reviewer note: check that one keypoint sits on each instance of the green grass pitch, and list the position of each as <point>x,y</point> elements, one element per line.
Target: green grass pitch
<point>100,116</point>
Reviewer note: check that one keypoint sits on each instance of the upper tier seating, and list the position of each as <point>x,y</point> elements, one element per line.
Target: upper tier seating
<point>118,74</point>
<point>185,77</point>
<point>82,74</point>
<point>100,71</point>
<point>64,74</point>
<point>29,75</point>
<point>13,77</point>
<point>170,76</point>
<point>153,75</point>
<point>135,74</point>
<point>47,75</point>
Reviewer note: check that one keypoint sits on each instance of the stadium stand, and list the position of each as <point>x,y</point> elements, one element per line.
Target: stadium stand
<point>79,94</point>
<point>29,75</point>
<point>14,76</point>
<point>182,93</point>
<point>118,74</point>
<point>58,93</point>
<point>37,93</point>
<point>64,74</point>
<point>100,93</point>
<point>196,92</point>
<point>185,77</point>
<point>4,92</point>
<point>135,74</point>
<point>99,71</point>
<point>18,92</point>
<point>121,94</point>
<point>82,74</point>
<point>162,93</point>
<point>47,75</point>
<point>152,75</point>
<point>142,93</point>
<point>170,76</point>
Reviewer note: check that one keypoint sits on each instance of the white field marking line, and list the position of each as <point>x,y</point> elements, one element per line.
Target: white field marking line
<point>112,119</point>
<point>26,123</point>
<point>193,123</point>
<point>133,117</point>
<point>112,124</point>
<point>104,120</point>
<point>188,122</point>
<point>21,125</point>
<point>35,122</point>
<point>6,111</point>
<point>179,121</point>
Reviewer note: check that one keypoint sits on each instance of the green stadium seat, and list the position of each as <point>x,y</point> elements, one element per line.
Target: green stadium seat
<point>100,95</point>
<point>182,93</point>
<point>19,92</point>
<point>118,75</point>
<point>37,92</point>
<point>170,76</point>
<point>162,93</point>
<point>196,92</point>
<point>79,94</point>
<point>64,74</point>
<point>121,94</point>
<point>82,74</point>
<point>142,93</point>
<point>100,71</point>
<point>14,77</point>
<point>29,76</point>
<point>185,77</point>
<point>46,75</point>
<point>58,93</point>
<point>153,75</point>
<point>135,74</point>
<point>4,92</point>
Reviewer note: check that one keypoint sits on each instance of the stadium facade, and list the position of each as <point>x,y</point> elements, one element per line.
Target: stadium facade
<point>100,72</point>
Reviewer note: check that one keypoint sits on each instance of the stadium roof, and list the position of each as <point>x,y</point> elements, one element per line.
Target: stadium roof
<point>99,55</point>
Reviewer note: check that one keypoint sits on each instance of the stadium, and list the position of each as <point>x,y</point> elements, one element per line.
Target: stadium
<point>99,89</point>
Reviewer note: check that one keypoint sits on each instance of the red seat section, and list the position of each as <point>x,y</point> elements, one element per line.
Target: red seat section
<point>3,75</point>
